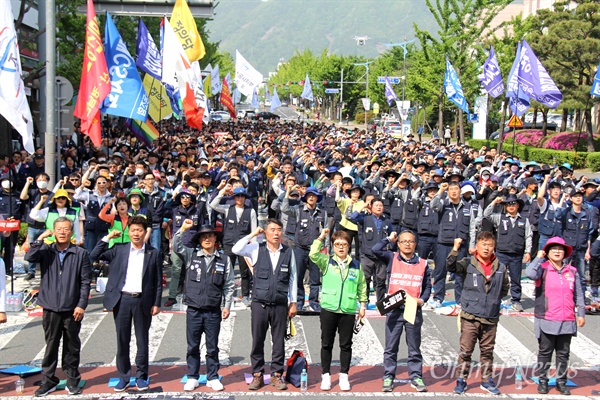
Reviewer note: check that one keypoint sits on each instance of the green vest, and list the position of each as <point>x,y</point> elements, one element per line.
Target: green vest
<point>53,216</point>
<point>340,291</point>
<point>118,226</point>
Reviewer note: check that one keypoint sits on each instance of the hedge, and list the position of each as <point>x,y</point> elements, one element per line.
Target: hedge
<point>544,156</point>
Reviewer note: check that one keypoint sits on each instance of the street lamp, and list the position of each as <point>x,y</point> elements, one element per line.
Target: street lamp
<point>366,65</point>
<point>403,45</point>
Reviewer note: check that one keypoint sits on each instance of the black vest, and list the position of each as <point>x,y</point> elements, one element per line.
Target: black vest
<point>428,222</point>
<point>475,300</point>
<point>92,222</point>
<point>234,230</point>
<point>204,283</point>
<point>410,213</point>
<point>396,208</point>
<point>575,231</point>
<point>531,211</point>
<point>181,213</point>
<point>330,206</point>
<point>272,287</point>
<point>308,226</point>
<point>548,225</point>
<point>454,224</point>
<point>369,236</point>
<point>511,239</point>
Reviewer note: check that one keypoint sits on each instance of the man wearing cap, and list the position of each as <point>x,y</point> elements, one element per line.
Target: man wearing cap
<point>93,201</point>
<point>37,166</point>
<point>310,220</point>
<point>185,209</point>
<point>209,279</point>
<point>514,241</point>
<point>154,203</point>
<point>457,219</point>
<point>577,229</point>
<point>239,220</point>
<point>136,199</point>
<point>427,223</point>
<point>531,210</point>
<point>549,225</point>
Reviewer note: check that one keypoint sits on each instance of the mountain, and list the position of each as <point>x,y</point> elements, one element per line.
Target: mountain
<point>269,30</point>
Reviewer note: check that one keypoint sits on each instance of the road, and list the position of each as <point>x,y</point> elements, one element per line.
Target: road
<point>22,342</point>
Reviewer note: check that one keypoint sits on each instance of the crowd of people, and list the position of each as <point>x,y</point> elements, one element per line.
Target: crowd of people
<point>347,212</point>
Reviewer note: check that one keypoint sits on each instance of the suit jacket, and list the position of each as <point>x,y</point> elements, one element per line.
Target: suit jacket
<point>118,257</point>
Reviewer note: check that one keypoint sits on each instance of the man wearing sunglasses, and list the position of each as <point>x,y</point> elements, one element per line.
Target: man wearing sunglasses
<point>514,241</point>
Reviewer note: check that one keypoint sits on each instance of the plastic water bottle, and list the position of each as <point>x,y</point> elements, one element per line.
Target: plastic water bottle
<point>20,385</point>
<point>304,381</point>
<point>519,379</point>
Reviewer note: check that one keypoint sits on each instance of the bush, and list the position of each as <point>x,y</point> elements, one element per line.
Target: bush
<point>359,118</point>
<point>568,141</point>
<point>593,161</point>
<point>525,137</point>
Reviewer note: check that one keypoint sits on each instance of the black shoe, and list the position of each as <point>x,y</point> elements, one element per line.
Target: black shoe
<point>47,387</point>
<point>73,390</point>
<point>170,302</point>
<point>29,277</point>
<point>543,386</point>
<point>562,388</point>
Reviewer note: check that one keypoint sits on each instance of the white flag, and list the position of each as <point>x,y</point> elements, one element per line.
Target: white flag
<point>275,102</point>
<point>215,80</point>
<point>307,92</point>
<point>13,102</point>
<point>246,77</point>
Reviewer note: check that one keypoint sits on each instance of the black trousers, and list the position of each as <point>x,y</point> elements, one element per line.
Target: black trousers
<point>343,325</point>
<point>264,316</point>
<point>377,270</point>
<point>8,244</point>
<point>205,322</point>
<point>244,269</point>
<point>57,326</point>
<point>548,344</point>
<point>354,238</point>
<point>129,313</point>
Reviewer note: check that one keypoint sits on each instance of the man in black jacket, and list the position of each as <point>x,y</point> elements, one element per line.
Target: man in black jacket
<point>64,291</point>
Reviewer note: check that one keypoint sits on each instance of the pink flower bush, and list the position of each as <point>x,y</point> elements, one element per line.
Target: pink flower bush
<point>565,141</point>
<point>526,137</point>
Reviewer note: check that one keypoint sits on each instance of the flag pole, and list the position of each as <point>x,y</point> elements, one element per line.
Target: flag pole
<point>514,128</point>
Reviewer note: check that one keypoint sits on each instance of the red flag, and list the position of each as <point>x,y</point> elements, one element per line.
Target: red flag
<point>95,83</point>
<point>226,98</point>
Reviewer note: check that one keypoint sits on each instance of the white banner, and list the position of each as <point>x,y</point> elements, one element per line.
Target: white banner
<point>246,77</point>
<point>366,103</point>
<point>215,80</point>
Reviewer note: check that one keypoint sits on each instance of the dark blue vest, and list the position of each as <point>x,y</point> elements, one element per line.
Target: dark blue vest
<point>475,300</point>
<point>272,287</point>
<point>428,222</point>
<point>511,239</point>
<point>204,283</point>
<point>234,230</point>
<point>454,224</point>
<point>575,231</point>
<point>369,236</point>
<point>308,226</point>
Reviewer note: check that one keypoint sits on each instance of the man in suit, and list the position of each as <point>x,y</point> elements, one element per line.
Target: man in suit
<point>133,293</point>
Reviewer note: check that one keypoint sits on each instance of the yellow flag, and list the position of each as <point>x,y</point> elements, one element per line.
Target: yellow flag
<point>185,27</point>
<point>207,86</point>
<point>160,105</point>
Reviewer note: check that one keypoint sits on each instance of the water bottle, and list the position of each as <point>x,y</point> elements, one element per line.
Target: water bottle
<point>20,385</point>
<point>304,381</point>
<point>519,379</point>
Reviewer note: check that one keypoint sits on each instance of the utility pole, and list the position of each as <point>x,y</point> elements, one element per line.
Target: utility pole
<point>341,95</point>
<point>403,45</point>
<point>48,7</point>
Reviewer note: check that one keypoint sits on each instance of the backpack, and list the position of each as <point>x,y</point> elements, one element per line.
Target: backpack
<point>295,364</point>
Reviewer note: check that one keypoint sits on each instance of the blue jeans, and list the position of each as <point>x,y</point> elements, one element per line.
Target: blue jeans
<point>440,271</point>
<point>302,263</point>
<point>155,238</point>
<point>200,322</point>
<point>32,235</point>
<point>577,260</point>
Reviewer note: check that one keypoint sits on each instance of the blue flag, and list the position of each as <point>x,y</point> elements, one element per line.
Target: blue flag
<point>127,97</point>
<point>390,95</point>
<point>596,85</point>
<point>491,78</point>
<point>453,88</point>
<point>275,102</point>
<point>535,80</point>
<point>237,96</point>
<point>148,56</point>
<point>519,100</point>
<point>267,95</point>
<point>307,92</point>
<point>255,103</point>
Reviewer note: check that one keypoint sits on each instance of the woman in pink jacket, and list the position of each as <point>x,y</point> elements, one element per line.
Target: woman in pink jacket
<point>559,310</point>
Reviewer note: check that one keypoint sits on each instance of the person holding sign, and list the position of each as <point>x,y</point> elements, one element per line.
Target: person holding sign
<point>407,273</point>
<point>486,282</point>
<point>343,285</point>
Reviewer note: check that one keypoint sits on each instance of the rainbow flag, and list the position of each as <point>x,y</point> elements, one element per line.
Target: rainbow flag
<point>144,131</point>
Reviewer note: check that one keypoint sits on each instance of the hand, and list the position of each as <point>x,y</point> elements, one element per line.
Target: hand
<point>187,224</point>
<point>2,317</point>
<point>225,313</point>
<point>292,309</point>
<point>500,188</point>
<point>155,310</point>
<point>498,200</point>
<point>580,321</point>
<point>257,232</point>
<point>78,314</point>
<point>324,234</point>
<point>472,251</point>
<point>43,198</point>
<point>587,255</point>
<point>527,258</point>
<point>29,180</point>
<point>457,243</point>
<point>113,234</point>
<point>44,235</point>
<point>113,200</point>
<point>393,237</point>
<point>361,312</point>
<point>444,187</point>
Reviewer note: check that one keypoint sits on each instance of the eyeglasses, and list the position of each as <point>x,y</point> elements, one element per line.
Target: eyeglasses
<point>62,230</point>
<point>512,203</point>
<point>407,242</point>
<point>101,183</point>
<point>74,179</point>
<point>340,244</point>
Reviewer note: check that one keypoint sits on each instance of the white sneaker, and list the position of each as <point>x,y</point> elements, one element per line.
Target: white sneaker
<point>215,385</point>
<point>325,382</point>
<point>344,384</point>
<point>190,385</point>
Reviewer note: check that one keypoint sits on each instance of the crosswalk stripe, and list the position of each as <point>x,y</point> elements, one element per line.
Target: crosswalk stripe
<point>14,324</point>
<point>434,348</point>
<point>225,339</point>
<point>510,350</point>
<point>160,322</point>
<point>587,350</point>
<point>298,342</point>
<point>366,347</point>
